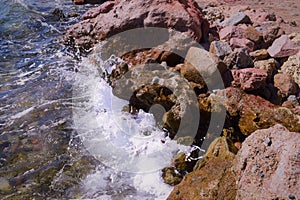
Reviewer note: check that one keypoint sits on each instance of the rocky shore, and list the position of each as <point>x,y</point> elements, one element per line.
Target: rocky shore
<point>257,58</point>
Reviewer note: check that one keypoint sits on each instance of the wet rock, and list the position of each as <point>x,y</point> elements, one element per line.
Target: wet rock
<point>211,178</point>
<point>238,59</point>
<point>242,43</point>
<point>80,2</point>
<point>291,67</point>
<point>249,79</point>
<point>219,48</point>
<point>112,17</point>
<point>286,85</point>
<point>270,66</point>
<point>181,163</point>
<point>259,54</point>
<point>170,176</point>
<point>235,19</point>
<point>268,171</point>
<point>283,47</point>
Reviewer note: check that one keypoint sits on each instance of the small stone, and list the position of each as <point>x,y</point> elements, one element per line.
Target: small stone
<point>170,176</point>
<point>242,43</point>
<point>259,54</point>
<point>219,48</point>
<point>283,47</point>
<point>235,19</point>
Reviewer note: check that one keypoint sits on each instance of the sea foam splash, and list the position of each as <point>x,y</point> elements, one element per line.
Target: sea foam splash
<point>132,148</point>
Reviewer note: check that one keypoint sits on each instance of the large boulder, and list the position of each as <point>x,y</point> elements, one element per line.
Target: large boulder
<point>112,17</point>
<point>267,165</point>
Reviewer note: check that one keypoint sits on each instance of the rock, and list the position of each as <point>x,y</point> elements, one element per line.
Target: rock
<point>254,35</point>
<point>254,112</point>
<point>291,102</point>
<point>249,79</point>
<point>213,14</point>
<point>286,85</point>
<point>211,178</point>
<point>219,48</point>
<point>112,17</point>
<point>181,163</point>
<point>229,32</point>
<point>208,65</point>
<point>170,177</point>
<point>259,54</point>
<point>235,19</point>
<point>267,165</point>
<point>291,67</point>
<point>283,47</point>
<point>270,66</point>
<point>238,59</point>
<point>5,187</point>
<point>242,43</point>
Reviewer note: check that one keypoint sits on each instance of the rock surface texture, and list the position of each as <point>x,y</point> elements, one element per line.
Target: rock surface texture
<point>267,165</point>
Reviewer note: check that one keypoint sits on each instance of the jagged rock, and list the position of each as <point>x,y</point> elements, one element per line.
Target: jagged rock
<point>283,47</point>
<point>212,177</point>
<point>270,66</point>
<point>254,35</point>
<point>170,177</point>
<point>219,48</point>
<point>259,54</point>
<point>238,59</point>
<point>242,43</point>
<point>235,19</point>
<point>266,165</point>
<point>249,79</point>
<point>255,112</point>
<point>291,67</point>
<point>229,32</point>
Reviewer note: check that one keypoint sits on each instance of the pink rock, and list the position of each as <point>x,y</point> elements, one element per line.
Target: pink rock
<point>283,47</point>
<point>285,84</point>
<point>229,32</point>
<point>249,79</point>
<point>242,43</point>
<point>267,165</point>
<point>120,15</point>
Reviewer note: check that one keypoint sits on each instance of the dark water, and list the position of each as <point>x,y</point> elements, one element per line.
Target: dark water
<point>36,70</point>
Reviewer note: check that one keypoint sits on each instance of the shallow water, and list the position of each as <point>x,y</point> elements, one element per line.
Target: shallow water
<point>62,134</point>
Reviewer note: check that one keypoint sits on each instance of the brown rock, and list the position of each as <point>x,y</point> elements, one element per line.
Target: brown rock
<point>286,85</point>
<point>291,67</point>
<point>283,47</point>
<point>249,79</point>
<point>260,54</point>
<point>267,164</point>
<point>270,66</point>
<point>170,177</point>
<point>254,35</point>
<point>211,178</point>
<point>111,18</point>
<point>255,112</point>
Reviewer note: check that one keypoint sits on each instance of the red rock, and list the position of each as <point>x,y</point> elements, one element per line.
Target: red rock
<point>112,17</point>
<point>283,47</point>
<point>229,32</point>
<point>249,79</point>
<point>242,43</point>
<point>267,165</point>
